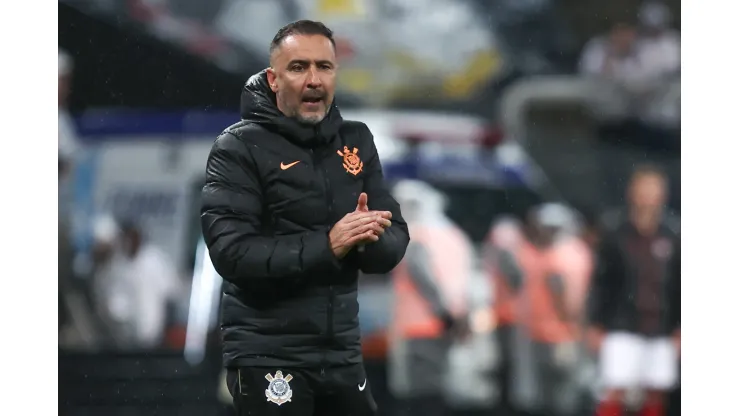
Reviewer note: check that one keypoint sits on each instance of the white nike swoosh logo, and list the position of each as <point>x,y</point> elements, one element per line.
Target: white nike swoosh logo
<point>362,387</point>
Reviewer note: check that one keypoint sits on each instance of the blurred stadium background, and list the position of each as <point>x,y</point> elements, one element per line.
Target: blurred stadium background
<point>502,105</point>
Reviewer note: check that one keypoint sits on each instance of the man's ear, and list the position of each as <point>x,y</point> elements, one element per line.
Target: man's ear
<point>272,79</point>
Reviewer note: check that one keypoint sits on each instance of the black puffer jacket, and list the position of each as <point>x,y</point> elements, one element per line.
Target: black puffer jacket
<point>274,188</point>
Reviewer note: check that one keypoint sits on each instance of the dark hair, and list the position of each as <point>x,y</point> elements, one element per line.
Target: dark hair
<point>301,27</point>
<point>648,169</point>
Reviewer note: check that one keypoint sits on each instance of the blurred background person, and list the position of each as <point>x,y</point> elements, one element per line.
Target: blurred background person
<point>636,298</point>
<point>431,300</point>
<point>644,60</point>
<point>555,265</point>
<point>68,142</point>
<point>660,53</point>
<point>659,44</point>
<point>67,152</point>
<point>499,261</point>
<point>613,56</point>
<point>137,286</point>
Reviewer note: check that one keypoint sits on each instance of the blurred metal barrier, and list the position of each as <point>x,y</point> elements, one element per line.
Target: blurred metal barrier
<point>556,119</point>
<point>600,99</point>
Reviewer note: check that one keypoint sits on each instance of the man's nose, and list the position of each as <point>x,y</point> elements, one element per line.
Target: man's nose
<point>313,78</point>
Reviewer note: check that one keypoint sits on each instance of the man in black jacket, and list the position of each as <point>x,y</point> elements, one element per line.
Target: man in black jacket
<point>636,298</point>
<point>293,207</point>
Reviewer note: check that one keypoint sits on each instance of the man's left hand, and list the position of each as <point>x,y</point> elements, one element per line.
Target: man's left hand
<point>362,207</point>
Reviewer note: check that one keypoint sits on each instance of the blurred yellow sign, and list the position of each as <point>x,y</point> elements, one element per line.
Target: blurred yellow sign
<point>339,7</point>
<point>356,80</point>
<point>480,69</point>
<point>423,84</point>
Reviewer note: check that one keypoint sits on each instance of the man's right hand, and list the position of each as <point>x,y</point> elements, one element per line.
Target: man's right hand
<point>357,227</point>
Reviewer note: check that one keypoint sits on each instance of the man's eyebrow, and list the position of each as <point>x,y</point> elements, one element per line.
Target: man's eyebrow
<point>298,61</point>
<point>307,62</point>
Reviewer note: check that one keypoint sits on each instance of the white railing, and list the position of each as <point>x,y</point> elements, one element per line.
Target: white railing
<point>603,100</point>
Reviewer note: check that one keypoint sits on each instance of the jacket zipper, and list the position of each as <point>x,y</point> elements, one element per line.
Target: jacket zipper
<point>321,170</point>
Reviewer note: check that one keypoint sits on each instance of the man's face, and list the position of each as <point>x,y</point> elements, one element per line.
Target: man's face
<point>302,75</point>
<point>648,192</point>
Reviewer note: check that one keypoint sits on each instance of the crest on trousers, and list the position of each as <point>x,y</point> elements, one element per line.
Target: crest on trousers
<point>278,391</point>
<point>351,162</point>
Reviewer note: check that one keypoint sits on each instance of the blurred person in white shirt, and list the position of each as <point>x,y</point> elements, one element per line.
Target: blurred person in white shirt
<point>613,56</point>
<point>659,46</point>
<point>68,142</point>
<point>135,283</point>
<point>660,56</point>
<point>65,247</point>
<point>68,150</point>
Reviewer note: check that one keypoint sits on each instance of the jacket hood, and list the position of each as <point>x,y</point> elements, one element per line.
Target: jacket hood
<point>259,106</point>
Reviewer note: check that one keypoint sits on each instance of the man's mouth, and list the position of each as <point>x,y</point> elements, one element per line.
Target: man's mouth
<point>312,100</point>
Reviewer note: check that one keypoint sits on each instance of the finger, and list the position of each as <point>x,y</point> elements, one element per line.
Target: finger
<point>385,214</point>
<point>365,237</point>
<point>358,218</point>
<point>361,233</point>
<point>371,236</point>
<point>378,229</point>
<point>384,222</point>
<point>361,214</point>
<point>362,203</point>
<point>373,226</point>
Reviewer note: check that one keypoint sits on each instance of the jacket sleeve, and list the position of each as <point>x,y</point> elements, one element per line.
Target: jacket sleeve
<point>231,221</point>
<point>385,254</point>
<point>606,276</point>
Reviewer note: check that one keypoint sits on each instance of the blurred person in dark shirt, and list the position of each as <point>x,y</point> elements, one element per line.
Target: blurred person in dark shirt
<point>635,298</point>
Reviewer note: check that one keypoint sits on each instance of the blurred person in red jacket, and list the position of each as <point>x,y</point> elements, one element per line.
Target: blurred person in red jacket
<point>503,241</point>
<point>431,305</point>
<point>555,264</point>
<point>635,298</point>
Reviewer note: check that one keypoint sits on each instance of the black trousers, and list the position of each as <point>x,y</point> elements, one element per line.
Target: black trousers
<point>337,391</point>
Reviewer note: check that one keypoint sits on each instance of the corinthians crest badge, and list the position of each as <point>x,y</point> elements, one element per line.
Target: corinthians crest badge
<point>351,162</point>
<point>278,391</point>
